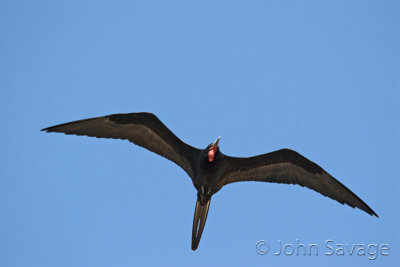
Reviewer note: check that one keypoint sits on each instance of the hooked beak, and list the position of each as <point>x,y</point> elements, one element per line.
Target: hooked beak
<point>216,142</point>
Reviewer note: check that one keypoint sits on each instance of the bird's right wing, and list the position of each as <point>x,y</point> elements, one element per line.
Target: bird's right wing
<point>289,167</point>
<point>143,129</point>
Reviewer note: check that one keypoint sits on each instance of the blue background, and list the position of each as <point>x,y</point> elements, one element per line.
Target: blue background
<point>320,77</point>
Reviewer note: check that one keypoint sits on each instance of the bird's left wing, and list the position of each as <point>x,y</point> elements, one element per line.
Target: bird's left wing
<point>289,167</point>
<point>143,129</point>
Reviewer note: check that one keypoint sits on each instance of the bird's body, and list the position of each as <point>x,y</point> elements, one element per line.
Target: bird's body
<point>209,168</point>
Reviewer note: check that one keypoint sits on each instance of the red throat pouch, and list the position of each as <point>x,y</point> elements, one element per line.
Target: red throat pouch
<point>211,154</point>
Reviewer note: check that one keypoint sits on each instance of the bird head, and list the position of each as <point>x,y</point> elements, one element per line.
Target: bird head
<point>212,150</point>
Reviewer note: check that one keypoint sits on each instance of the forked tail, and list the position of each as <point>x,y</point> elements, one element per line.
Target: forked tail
<point>199,220</point>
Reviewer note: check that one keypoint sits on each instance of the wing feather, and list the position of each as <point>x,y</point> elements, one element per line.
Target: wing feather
<point>289,167</point>
<point>143,129</point>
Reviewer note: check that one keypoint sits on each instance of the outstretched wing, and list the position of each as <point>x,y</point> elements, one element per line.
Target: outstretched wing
<point>143,129</point>
<point>289,167</point>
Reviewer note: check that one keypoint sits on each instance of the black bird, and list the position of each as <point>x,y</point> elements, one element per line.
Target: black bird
<point>209,168</point>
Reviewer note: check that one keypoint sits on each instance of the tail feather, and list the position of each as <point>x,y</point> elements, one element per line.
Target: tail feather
<point>199,220</point>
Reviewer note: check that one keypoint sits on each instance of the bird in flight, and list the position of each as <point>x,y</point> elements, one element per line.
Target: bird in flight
<point>209,168</point>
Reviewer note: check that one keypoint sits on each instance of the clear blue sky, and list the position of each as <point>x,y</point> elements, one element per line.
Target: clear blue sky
<point>320,77</point>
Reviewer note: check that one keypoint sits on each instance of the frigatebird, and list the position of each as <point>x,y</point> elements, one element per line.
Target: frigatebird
<point>209,168</point>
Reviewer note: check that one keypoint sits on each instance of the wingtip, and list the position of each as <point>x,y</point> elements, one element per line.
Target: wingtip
<point>370,211</point>
<point>48,129</point>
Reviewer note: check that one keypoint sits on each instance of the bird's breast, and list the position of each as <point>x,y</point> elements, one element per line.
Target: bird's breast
<point>208,173</point>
